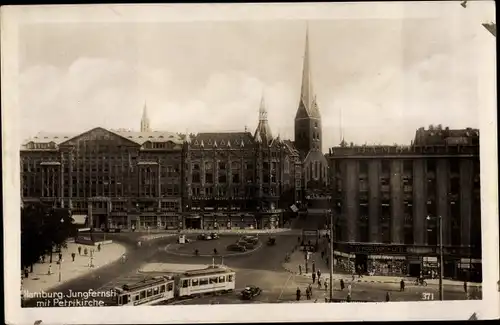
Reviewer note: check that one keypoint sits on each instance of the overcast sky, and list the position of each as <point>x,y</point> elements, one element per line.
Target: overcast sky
<point>377,79</point>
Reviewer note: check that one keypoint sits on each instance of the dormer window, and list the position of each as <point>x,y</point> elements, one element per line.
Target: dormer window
<point>151,137</point>
<point>161,137</point>
<point>140,137</point>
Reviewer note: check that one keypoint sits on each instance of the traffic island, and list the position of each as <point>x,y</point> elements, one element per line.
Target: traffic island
<point>206,248</point>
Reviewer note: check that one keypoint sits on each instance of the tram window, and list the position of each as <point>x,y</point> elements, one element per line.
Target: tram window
<point>125,299</point>
<point>170,286</point>
<point>156,290</point>
<point>230,278</point>
<point>136,297</point>
<point>222,279</point>
<point>162,288</point>
<point>213,280</point>
<point>119,300</point>
<point>203,281</point>
<point>143,294</point>
<point>149,293</point>
<point>194,282</point>
<point>185,283</point>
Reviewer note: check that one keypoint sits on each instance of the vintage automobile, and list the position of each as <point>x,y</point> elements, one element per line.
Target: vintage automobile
<point>214,235</point>
<point>250,292</point>
<point>236,248</point>
<point>271,241</point>
<point>204,237</point>
<point>245,244</point>
<point>250,239</point>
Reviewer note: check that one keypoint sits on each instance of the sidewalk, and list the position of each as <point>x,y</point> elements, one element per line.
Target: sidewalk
<point>297,258</point>
<point>39,280</point>
<point>220,231</point>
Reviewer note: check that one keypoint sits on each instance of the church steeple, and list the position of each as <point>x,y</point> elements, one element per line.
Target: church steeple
<point>145,120</point>
<point>263,131</point>
<point>308,132</point>
<point>307,104</point>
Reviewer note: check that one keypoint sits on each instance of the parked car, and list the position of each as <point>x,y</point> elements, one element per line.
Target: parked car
<point>250,292</point>
<point>236,248</point>
<point>250,239</point>
<point>204,237</point>
<point>214,235</point>
<point>245,244</point>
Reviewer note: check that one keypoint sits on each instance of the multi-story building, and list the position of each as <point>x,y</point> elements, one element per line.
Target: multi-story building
<point>236,179</point>
<point>118,178</point>
<point>388,202</point>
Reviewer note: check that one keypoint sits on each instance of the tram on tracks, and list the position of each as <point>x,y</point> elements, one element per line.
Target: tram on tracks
<point>161,289</point>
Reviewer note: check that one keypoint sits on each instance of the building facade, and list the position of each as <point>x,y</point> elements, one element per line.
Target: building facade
<point>387,202</point>
<point>240,180</point>
<point>115,178</point>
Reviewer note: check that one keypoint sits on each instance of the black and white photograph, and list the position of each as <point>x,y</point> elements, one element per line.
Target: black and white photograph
<point>250,162</point>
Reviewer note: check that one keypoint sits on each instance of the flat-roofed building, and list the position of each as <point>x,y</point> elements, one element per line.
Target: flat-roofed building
<point>387,201</point>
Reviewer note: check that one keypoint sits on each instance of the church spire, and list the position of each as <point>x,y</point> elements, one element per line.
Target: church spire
<point>145,119</point>
<point>263,130</point>
<point>307,105</point>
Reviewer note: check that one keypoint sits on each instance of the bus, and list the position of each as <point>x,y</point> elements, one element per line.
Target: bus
<point>146,292</point>
<point>210,280</point>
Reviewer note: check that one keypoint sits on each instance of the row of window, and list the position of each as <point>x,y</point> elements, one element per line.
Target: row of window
<point>207,280</point>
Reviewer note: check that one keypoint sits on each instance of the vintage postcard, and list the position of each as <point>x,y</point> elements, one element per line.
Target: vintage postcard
<point>250,163</point>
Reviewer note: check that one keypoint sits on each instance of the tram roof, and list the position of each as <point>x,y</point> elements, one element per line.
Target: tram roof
<point>144,283</point>
<point>208,271</point>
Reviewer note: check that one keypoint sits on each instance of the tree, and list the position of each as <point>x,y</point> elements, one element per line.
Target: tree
<point>42,229</point>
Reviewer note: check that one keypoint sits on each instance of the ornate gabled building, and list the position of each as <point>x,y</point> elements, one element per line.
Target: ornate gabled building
<point>239,180</point>
<point>113,178</point>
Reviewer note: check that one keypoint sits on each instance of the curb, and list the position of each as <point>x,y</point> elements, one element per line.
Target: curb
<point>210,255</point>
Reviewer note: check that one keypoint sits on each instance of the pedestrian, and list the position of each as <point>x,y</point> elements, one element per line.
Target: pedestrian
<point>465,286</point>
<point>310,288</point>
<point>326,285</point>
<point>342,284</point>
<point>327,260</point>
<point>308,295</point>
<point>349,288</point>
<point>298,239</point>
<point>79,250</point>
<point>297,293</point>
<point>99,247</point>
<point>124,258</point>
<point>60,257</point>
<point>91,262</point>
<point>73,256</point>
<point>314,267</point>
<point>322,254</point>
<point>348,299</point>
<point>85,251</point>
<point>300,269</point>
<point>26,272</point>
<point>314,277</point>
<point>387,297</point>
<point>319,274</point>
<point>215,251</point>
<point>319,283</point>
<point>402,285</point>
<point>50,269</point>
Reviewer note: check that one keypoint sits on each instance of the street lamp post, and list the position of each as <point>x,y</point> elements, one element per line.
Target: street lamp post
<point>60,260</point>
<point>441,259</point>
<point>331,237</point>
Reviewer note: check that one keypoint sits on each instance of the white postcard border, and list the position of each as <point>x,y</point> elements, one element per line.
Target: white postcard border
<point>12,17</point>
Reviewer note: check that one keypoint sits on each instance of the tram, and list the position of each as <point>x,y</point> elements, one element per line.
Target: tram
<point>213,279</point>
<point>209,280</point>
<point>146,292</point>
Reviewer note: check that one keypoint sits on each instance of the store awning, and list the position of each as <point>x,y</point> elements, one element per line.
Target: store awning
<point>193,217</point>
<point>79,219</point>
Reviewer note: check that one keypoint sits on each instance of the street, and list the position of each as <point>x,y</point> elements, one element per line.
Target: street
<point>262,267</point>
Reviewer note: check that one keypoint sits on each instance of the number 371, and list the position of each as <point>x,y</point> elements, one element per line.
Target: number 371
<point>427,296</point>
